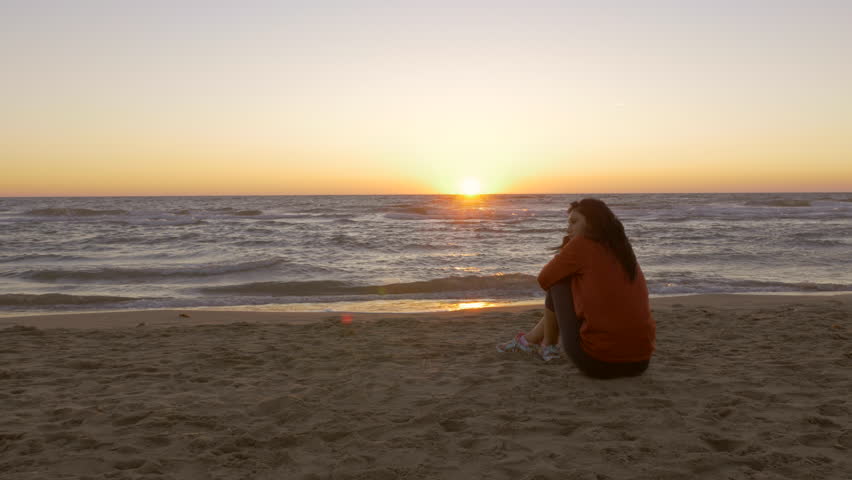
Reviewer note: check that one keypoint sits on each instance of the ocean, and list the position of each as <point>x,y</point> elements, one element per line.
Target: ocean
<point>397,253</point>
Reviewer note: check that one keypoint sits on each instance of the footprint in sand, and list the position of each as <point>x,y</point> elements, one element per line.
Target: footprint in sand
<point>721,444</point>
<point>816,440</point>
<point>830,410</point>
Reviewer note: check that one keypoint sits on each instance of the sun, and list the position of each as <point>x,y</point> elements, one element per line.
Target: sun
<point>470,187</point>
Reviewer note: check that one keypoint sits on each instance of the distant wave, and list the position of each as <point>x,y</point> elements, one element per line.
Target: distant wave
<point>817,239</point>
<point>163,222</point>
<point>227,210</point>
<point>142,274</point>
<point>524,196</point>
<point>23,299</point>
<point>112,239</point>
<point>408,247</point>
<point>827,243</point>
<point>73,212</point>
<point>352,241</point>
<point>515,231</point>
<point>460,216</point>
<point>555,231</point>
<point>407,216</point>
<point>39,257</point>
<point>779,203</point>
<point>514,281</point>
<point>701,259</point>
<point>412,210</point>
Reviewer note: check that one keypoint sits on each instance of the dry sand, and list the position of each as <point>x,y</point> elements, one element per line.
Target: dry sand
<point>740,387</point>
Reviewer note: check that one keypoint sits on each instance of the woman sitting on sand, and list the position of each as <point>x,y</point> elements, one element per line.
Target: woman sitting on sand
<point>597,299</point>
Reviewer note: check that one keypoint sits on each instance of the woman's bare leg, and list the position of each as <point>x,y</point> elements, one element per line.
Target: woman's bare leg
<point>546,331</point>
<point>536,335</point>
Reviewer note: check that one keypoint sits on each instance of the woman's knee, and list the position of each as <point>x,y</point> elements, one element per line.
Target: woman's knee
<point>561,292</point>
<point>563,283</point>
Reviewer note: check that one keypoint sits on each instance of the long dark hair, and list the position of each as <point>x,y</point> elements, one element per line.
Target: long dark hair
<point>604,227</point>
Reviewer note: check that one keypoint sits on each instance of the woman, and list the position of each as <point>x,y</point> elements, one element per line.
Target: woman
<point>597,299</point>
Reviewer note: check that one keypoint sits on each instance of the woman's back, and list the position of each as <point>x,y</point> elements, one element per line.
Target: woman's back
<point>617,322</point>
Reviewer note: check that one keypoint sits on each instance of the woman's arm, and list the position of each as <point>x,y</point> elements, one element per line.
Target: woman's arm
<point>563,264</point>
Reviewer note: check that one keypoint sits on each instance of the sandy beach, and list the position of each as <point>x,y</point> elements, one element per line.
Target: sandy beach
<point>754,387</point>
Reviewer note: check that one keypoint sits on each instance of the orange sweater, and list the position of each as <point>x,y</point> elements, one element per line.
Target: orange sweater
<point>617,326</point>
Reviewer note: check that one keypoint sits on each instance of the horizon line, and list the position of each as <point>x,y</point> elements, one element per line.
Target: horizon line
<point>429,194</point>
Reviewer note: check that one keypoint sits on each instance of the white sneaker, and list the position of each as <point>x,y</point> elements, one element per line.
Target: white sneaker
<point>550,352</point>
<point>517,344</point>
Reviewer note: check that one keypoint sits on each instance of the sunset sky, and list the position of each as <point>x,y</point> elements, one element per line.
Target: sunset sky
<point>148,98</point>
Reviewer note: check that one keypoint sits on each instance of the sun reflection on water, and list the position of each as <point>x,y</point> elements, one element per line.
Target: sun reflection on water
<point>469,305</point>
<point>378,306</point>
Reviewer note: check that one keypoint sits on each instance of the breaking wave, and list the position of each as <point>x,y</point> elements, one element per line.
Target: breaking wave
<point>23,299</point>
<point>142,274</point>
<point>510,282</point>
<point>660,286</point>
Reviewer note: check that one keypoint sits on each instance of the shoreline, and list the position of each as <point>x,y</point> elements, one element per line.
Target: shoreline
<point>223,315</point>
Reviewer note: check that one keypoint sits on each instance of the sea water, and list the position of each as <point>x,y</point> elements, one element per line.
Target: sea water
<point>397,253</point>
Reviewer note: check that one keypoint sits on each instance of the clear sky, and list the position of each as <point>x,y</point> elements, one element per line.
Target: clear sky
<point>317,97</point>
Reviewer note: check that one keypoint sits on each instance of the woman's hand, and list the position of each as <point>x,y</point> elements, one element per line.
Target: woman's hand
<point>565,240</point>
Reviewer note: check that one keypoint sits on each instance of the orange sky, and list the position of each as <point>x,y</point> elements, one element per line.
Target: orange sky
<point>371,99</point>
